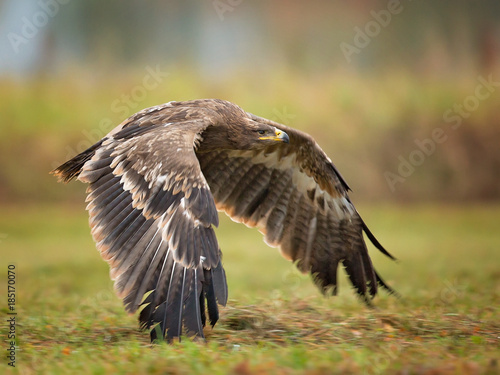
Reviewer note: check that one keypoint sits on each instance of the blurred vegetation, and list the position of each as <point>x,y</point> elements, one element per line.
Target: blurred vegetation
<point>67,84</point>
<point>365,124</point>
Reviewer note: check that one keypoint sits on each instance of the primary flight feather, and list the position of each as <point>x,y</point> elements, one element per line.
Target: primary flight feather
<point>157,180</point>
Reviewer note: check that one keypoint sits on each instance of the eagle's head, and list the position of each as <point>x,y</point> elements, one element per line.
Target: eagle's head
<point>255,136</point>
<point>236,130</point>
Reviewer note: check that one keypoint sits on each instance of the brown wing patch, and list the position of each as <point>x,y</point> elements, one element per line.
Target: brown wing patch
<point>299,203</point>
<point>151,215</point>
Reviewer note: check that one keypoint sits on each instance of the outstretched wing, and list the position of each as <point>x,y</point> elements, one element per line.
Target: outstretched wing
<point>298,200</point>
<point>151,213</point>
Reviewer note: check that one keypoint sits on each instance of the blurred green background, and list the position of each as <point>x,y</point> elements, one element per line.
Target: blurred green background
<point>404,96</point>
<point>371,81</point>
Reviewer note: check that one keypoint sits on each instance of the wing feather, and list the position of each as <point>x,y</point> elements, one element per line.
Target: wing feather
<point>156,182</point>
<point>297,198</point>
<point>152,214</point>
<point>275,224</point>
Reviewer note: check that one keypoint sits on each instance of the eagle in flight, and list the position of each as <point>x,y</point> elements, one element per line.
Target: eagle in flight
<point>157,180</point>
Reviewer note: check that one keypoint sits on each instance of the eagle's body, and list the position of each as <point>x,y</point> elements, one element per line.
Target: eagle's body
<point>158,179</point>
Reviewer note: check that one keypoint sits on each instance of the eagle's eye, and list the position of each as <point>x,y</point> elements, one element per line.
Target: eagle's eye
<point>262,132</point>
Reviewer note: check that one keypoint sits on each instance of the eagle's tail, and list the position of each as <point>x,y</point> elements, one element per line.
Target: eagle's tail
<point>191,293</point>
<point>72,168</point>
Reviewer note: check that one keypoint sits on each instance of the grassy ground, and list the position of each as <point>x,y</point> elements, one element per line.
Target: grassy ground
<point>69,320</point>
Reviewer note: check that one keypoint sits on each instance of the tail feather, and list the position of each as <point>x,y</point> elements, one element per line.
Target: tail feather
<point>358,264</point>
<point>171,319</point>
<point>357,275</point>
<point>219,282</point>
<point>177,332</point>
<point>72,168</point>
<point>382,284</point>
<point>375,242</point>
<point>184,305</point>
<point>192,316</point>
<point>209,294</point>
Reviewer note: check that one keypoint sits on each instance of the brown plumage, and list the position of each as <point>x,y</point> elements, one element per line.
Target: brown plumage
<point>157,180</point>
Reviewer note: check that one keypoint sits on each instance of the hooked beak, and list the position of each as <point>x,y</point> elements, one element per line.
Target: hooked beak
<point>280,136</point>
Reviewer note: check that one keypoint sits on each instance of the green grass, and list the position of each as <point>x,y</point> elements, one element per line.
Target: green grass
<point>69,320</point>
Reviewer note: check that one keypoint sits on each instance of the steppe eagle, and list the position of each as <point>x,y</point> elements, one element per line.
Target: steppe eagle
<point>157,180</point>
